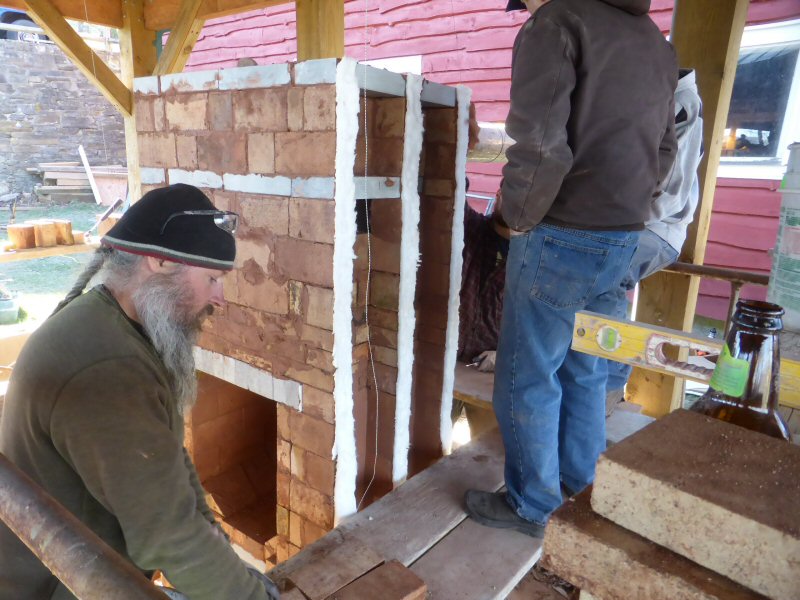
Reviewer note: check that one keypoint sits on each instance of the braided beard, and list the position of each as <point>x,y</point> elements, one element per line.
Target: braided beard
<point>164,307</point>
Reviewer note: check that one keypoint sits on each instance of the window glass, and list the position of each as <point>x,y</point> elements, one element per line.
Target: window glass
<point>759,101</point>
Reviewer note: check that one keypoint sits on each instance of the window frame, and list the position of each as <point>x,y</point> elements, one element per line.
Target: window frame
<point>755,37</point>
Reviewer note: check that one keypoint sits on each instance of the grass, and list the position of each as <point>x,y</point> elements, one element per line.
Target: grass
<point>39,284</point>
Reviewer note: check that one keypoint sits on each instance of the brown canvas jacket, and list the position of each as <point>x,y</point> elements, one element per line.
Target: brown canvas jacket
<point>591,114</point>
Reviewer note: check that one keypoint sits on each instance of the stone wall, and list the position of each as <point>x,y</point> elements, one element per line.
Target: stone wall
<point>47,109</point>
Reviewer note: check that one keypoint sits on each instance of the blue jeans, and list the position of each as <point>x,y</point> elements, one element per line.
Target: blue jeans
<point>652,255</point>
<point>550,400</point>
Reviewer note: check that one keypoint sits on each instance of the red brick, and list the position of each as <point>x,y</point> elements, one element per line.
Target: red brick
<point>319,307</point>
<point>157,150</point>
<point>386,220</point>
<point>260,110</point>
<point>224,200</point>
<point>439,187</point>
<point>316,337</point>
<point>283,490</point>
<point>256,290</point>
<point>220,112</point>
<point>222,152</point>
<point>229,492</point>
<point>261,152</point>
<point>307,154</point>
<point>389,117</point>
<point>282,546</point>
<point>304,261</point>
<point>284,455</point>
<point>187,112</point>
<point>440,125</point>
<point>385,255</point>
<point>284,412</point>
<point>143,111</point>
<point>320,359</point>
<point>315,377</point>
<point>314,435</point>
<point>440,160</point>
<point>295,528</point>
<point>387,319</point>
<point>384,337</point>
<point>384,290</point>
<point>281,521</point>
<point>187,151</point>
<point>264,213</point>
<point>319,108</point>
<point>319,404</point>
<point>385,157</point>
<point>296,298</point>
<point>159,114</point>
<point>311,220</point>
<point>295,108</point>
<point>312,532</point>
<point>320,473</point>
<point>311,504</point>
<point>386,356</point>
<point>387,378</point>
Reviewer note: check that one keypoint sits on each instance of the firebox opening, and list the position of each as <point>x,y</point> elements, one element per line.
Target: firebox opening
<point>231,435</point>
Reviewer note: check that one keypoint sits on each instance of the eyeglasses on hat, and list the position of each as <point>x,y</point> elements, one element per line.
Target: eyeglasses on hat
<point>224,219</point>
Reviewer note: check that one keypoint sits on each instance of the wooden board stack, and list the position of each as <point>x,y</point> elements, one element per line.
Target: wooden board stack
<point>689,507</point>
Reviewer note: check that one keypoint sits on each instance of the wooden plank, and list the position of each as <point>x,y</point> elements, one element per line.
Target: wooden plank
<point>391,581</point>
<point>48,17</point>
<point>182,39</point>
<point>33,253</point>
<point>706,35</point>
<point>475,561</point>
<point>472,386</point>
<point>333,568</point>
<point>100,13</point>
<point>163,14</point>
<point>137,59</point>
<point>320,29</point>
<point>89,176</point>
<point>639,340</point>
<point>404,524</point>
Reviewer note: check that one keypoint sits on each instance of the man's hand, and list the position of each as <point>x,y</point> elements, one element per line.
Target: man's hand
<point>486,361</point>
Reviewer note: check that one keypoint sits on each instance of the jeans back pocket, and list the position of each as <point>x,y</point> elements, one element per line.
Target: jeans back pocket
<point>567,272</point>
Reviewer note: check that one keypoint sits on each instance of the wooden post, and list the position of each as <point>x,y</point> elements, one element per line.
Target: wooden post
<point>182,39</point>
<point>137,59</point>
<point>320,29</point>
<point>707,35</point>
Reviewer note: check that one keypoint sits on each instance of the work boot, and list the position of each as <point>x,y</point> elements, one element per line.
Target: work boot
<point>493,510</point>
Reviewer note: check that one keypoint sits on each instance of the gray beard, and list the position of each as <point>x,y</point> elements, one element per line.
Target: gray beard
<point>162,304</point>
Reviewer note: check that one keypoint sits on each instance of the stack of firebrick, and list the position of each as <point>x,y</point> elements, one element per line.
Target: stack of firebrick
<point>688,507</point>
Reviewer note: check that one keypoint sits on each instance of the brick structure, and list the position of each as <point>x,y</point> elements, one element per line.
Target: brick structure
<point>266,142</point>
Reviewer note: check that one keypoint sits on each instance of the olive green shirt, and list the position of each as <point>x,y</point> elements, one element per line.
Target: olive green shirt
<point>90,416</point>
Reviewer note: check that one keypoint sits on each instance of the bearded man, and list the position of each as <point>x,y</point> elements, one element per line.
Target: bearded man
<point>95,406</point>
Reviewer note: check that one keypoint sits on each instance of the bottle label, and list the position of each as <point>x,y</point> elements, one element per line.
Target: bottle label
<point>730,374</point>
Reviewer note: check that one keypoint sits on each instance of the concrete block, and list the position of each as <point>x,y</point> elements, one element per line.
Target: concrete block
<point>202,179</point>
<point>146,85</point>
<point>258,184</point>
<point>311,72</point>
<point>190,81</point>
<point>313,187</point>
<point>260,76</point>
<point>377,187</point>
<point>609,561</point>
<point>718,494</point>
<point>152,176</point>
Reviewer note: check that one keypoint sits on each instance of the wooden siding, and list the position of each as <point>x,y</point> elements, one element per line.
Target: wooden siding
<point>469,42</point>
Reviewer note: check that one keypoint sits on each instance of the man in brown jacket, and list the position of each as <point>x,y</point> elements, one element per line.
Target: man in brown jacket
<point>95,406</point>
<point>591,112</point>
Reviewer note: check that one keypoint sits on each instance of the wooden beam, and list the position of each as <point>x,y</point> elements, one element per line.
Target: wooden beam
<point>137,59</point>
<point>320,29</point>
<point>707,35</point>
<point>99,13</point>
<point>163,14</point>
<point>47,16</point>
<point>182,39</point>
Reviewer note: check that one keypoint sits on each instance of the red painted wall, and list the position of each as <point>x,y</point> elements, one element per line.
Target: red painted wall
<point>469,42</point>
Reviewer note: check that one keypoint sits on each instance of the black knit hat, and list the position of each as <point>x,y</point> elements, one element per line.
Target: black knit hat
<point>515,5</point>
<point>177,223</point>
